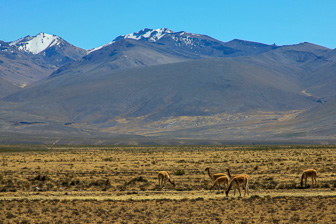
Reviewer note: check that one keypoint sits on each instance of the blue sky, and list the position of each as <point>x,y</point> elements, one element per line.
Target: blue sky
<point>92,23</point>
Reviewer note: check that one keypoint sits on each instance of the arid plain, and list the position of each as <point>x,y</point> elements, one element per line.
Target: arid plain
<point>119,184</point>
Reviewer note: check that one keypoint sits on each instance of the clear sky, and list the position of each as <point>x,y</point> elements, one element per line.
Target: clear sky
<point>92,23</point>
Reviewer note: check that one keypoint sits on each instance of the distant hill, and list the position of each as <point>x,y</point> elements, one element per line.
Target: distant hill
<point>195,44</point>
<point>197,87</point>
<point>154,47</point>
<point>7,88</point>
<point>162,84</point>
<point>317,121</point>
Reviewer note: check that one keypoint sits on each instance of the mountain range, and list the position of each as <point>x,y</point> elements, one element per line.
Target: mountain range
<point>31,59</point>
<point>157,85</point>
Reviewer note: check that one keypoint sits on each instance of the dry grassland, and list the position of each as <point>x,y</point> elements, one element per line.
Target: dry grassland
<point>97,184</point>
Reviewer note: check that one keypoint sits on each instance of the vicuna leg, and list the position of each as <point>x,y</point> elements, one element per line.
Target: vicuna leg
<point>306,180</point>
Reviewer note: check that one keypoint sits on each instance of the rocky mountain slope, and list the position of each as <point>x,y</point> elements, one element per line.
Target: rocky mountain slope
<point>165,84</point>
<point>31,59</point>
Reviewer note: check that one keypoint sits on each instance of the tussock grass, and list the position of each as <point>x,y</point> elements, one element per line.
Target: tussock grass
<point>255,209</point>
<point>87,168</point>
<point>132,171</point>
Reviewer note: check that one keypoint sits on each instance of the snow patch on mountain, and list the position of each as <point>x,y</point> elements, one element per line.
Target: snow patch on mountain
<point>188,41</point>
<point>36,44</point>
<point>98,48</point>
<point>151,35</point>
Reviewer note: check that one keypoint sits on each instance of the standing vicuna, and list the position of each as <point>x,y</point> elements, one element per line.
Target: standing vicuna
<point>213,177</point>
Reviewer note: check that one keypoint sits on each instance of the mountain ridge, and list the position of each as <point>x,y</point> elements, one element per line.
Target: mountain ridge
<point>36,44</point>
<point>168,46</point>
<point>157,83</point>
<point>32,58</point>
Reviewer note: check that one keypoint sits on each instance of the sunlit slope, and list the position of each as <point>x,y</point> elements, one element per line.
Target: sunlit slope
<point>201,87</point>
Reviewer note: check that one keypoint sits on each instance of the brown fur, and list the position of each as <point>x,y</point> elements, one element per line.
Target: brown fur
<point>308,173</point>
<point>214,176</point>
<point>232,176</point>
<point>219,181</point>
<point>236,182</point>
<point>163,176</point>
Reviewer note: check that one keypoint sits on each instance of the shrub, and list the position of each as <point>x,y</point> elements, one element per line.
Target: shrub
<point>109,159</point>
<point>42,177</point>
<point>179,172</point>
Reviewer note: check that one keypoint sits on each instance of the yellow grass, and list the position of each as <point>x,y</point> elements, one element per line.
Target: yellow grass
<point>119,184</point>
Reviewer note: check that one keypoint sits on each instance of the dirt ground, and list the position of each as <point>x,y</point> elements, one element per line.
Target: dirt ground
<point>118,184</point>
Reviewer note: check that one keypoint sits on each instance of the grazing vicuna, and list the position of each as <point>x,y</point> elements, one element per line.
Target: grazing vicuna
<point>223,180</point>
<point>163,176</point>
<point>235,184</point>
<point>308,173</point>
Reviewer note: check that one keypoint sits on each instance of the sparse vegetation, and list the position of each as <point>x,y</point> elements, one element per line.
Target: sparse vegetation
<point>119,183</point>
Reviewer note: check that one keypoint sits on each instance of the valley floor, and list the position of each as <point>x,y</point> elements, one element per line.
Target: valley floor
<point>118,184</point>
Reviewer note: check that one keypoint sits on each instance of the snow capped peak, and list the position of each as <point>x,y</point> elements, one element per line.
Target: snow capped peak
<point>36,44</point>
<point>150,34</point>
